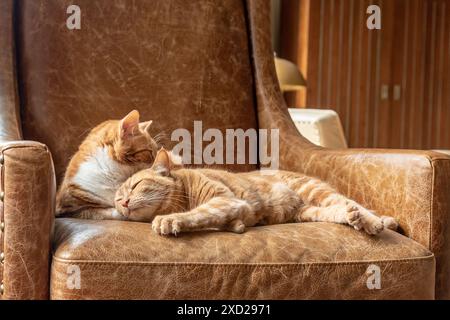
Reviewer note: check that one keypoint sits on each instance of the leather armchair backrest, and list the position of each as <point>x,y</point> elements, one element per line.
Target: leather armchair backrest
<point>175,61</point>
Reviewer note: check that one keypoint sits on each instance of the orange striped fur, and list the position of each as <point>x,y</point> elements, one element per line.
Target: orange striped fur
<point>111,153</point>
<point>180,200</point>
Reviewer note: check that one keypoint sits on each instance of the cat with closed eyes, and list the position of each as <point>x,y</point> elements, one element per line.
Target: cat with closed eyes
<point>111,153</point>
<point>178,200</point>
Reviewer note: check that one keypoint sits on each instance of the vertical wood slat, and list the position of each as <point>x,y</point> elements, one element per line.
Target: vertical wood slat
<point>332,50</point>
<point>383,76</point>
<point>338,58</point>
<point>442,118</point>
<point>365,86</point>
<point>320,67</point>
<point>399,58</point>
<point>347,64</point>
<point>435,136</point>
<point>376,115</point>
<point>418,125</point>
<point>429,101</point>
<point>290,33</point>
<point>348,83</point>
<point>344,64</point>
<point>355,106</point>
<point>302,55</point>
<point>445,118</point>
<point>405,73</point>
<point>411,101</point>
<point>368,94</point>
<point>313,57</point>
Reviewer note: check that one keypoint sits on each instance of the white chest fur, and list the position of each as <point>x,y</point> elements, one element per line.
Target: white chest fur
<point>102,176</point>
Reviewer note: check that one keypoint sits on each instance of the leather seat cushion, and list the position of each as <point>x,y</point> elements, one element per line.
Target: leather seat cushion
<point>126,260</point>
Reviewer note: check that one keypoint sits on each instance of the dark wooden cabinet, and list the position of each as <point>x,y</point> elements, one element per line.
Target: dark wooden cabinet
<point>391,87</point>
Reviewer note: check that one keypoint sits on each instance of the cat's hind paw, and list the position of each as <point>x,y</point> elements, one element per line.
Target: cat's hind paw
<point>389,223</point>
<point>353,217</point>
<point>362,219</point>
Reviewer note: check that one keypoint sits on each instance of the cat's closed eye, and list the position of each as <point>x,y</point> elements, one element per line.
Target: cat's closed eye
<point>134,153</point>
<point>143,155</point>
<point>134,185</point>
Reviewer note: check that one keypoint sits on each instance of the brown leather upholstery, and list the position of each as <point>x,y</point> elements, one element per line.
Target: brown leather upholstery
<point>27,211</point>
<point>123,260</point>
<point>180,61</point>
<point>9,104</point>
<point>160,57</point>
<point>27,188</point>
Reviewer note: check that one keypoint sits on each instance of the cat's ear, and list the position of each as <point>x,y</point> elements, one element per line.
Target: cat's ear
<point>145,126</point>
<point>129,124</point>
<point>176,162</point>
<point>161,165</point>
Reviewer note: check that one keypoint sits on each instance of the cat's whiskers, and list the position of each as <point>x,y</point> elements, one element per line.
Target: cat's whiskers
<point>178,204</point>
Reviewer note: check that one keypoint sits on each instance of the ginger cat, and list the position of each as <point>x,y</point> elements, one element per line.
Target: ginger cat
<point>111,153</point>
<point>181,200</point>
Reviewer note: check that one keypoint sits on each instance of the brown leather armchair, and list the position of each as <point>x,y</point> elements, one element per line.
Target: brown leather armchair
<point>180,61</point>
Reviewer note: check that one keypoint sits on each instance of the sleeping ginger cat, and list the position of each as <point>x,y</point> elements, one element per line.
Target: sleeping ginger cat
<point>110,154</point>
<point>181,200</point>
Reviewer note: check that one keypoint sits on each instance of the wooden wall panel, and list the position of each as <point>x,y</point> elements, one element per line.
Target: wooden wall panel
<point>437,98</point>
<point>445,117</point>
<point>414,93</point>
<point>348,65</point>
<point>295,33</point>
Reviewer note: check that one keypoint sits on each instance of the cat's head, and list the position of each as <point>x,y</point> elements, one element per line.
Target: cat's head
<point>151,191</point>
<point>128,140</point>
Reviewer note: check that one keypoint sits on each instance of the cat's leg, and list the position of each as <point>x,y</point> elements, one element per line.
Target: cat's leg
<point>223,213</point>
<point>344,214</point>
<point>335,213</point>
<point>320,194</point>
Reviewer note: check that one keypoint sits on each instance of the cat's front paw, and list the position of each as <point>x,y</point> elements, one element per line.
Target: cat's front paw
<point>362,219</point>
<point>166,225</point>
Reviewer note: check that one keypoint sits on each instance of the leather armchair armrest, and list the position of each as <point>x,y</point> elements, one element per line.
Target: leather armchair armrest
<point>27,186</point>
<point>413,186</point>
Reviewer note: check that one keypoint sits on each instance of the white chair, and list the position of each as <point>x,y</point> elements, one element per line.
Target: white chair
<point>321,127</point>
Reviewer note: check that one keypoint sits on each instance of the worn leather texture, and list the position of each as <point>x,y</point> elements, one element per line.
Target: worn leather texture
<point>127,260</point>
<point>413,186</point>
<point>27,211</point>
<point>159,57</point>
<point>9,120</point>
<point>27,187</point>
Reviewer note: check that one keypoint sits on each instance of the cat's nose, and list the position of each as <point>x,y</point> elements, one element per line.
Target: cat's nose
<point>124,203</point>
